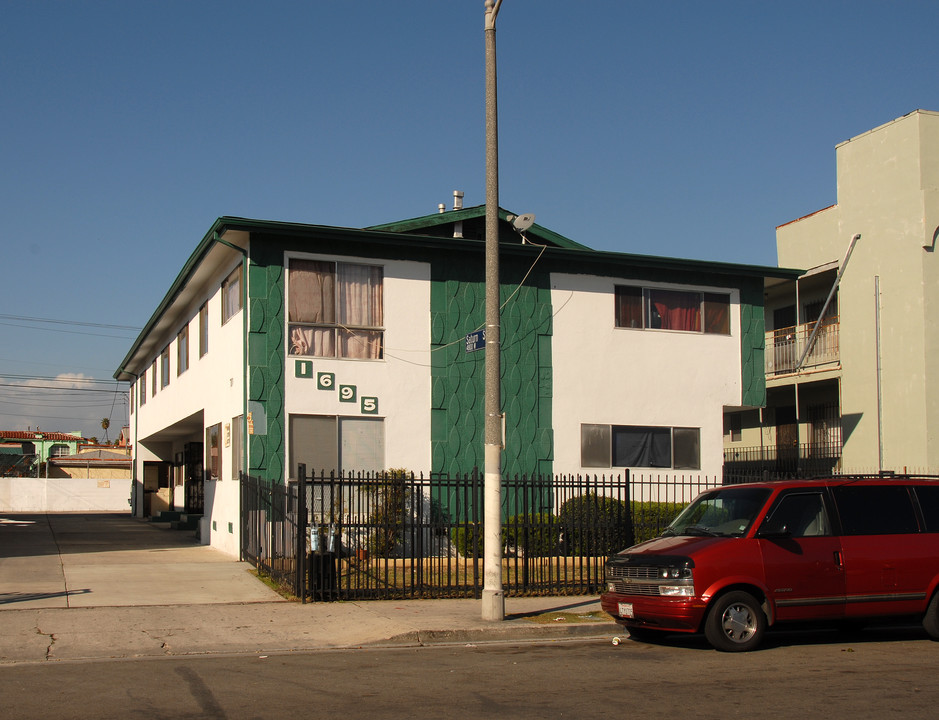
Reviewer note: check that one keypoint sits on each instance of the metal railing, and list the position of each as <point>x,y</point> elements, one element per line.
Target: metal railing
<point>806,460</point>
<point>785,346</point>
<point>394,535</point>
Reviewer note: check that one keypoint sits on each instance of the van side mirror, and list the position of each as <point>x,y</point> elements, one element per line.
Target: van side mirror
<point>774,530</point>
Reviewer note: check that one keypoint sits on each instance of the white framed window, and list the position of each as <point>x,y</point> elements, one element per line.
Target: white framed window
<point>328,443</point>
<point>213,452</point>
<point>334,309</point>
<point>143,388</point>
<point>640,446</point>
<point>203,329</point>
<point>237,447</point>
<point>182,351</point>
<point>682,310</point>
<point>231,295</point>
<point>165,367</point>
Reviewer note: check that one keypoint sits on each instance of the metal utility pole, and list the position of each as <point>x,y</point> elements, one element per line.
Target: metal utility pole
<point>493,607</point>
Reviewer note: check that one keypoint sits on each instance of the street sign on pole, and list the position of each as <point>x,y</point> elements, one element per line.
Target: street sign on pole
<point>475,341</point>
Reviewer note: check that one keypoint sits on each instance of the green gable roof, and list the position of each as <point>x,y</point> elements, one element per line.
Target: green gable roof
<point>429,222</point>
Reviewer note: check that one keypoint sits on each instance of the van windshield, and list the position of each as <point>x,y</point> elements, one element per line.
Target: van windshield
<point>728,512</point>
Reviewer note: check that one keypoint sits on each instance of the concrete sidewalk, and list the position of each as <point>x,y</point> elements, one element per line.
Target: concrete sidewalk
<point>76,587</point>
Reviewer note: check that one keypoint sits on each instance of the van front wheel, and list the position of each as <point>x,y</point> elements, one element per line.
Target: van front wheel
<point>735,623</point>
<point>931,618</point>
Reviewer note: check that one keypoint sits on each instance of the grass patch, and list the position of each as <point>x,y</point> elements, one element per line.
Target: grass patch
<point>280,587</point>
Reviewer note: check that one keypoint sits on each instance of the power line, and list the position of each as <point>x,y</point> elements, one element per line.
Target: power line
<point>23,318</point>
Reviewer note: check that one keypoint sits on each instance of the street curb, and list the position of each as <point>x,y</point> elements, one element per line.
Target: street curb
<point>581,631</point>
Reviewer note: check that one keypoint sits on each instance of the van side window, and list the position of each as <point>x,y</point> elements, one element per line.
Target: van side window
<point>798,515</point>
<point>929,503</point>
<point>875,509</point>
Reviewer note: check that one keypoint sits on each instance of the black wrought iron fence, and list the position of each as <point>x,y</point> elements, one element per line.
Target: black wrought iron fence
<point>396,534</point>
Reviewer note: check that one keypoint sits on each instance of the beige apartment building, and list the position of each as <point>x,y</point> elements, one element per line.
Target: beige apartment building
<point>852,345</point>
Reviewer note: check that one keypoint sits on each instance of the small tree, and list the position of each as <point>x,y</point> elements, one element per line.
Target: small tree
<point>105,424</point>
<point>392,506</point>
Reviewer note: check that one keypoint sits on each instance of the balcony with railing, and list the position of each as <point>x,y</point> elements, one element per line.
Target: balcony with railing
<point>786,346</point>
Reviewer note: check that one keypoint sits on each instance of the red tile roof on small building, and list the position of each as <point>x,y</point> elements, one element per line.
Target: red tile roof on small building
<point>31,435</point>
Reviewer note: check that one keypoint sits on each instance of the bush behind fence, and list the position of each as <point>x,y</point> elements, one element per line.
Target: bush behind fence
<point>395,534</point>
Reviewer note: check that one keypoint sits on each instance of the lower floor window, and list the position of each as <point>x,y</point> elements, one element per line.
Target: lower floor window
<point>328,443</point>
<point>640,446</point>
<point>213,456</point>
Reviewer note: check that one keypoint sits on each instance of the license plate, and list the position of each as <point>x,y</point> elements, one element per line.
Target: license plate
<point>626,610</point>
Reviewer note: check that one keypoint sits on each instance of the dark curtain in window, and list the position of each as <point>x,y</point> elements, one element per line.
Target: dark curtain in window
<point>642,447</point>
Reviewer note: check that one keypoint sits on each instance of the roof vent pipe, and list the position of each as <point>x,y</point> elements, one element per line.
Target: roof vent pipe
<point>441,207</point>
<point>457,199</point>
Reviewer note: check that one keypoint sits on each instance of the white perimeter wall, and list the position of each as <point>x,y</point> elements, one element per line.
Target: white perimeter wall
<point>64,495</point>
<point>619,376</point>
<point>400,382</point>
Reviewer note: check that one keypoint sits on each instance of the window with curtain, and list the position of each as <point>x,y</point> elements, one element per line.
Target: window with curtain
<point>203,329</point>
<point>640,446</point>
<point>231,295</point>
<point>165,367</point>
<point>182,351</point>
<point>658,309</point>
<point>213,452</point>
<point>335,310</point>
<point>327,443</point>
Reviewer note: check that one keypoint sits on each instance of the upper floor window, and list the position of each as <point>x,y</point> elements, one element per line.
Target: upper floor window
<point>655,308</point>
<point>143,388</point>
<point>165,367</point>
<point>58,451</point>
<point>182,351</point>
<point>203,329</point>
<point>335,309</point>
<point>133,387</point>
<point>153,376</point>
<point>231,295</point>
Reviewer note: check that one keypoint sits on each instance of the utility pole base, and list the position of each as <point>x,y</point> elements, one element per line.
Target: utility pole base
<point>493,605</point>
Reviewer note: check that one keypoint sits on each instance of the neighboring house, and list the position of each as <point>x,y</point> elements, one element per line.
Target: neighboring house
<point>860,397</point>
<point>346,349</point>
<point>102,463</point>
<point>34,447</point>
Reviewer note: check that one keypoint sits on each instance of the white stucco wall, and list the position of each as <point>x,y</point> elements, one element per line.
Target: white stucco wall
<point>400,381</point>
<point>64,495</point>
<point>619,376</point>
<point>210,391</point>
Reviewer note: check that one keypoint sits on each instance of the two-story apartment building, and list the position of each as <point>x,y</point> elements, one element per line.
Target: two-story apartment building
<point>346,349</point>
<point>848,382</point>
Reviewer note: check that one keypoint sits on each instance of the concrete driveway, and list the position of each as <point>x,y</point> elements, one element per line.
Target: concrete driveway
<point>112,559</point>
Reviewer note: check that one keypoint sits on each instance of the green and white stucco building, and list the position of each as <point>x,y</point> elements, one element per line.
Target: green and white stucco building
<point>346,349</point>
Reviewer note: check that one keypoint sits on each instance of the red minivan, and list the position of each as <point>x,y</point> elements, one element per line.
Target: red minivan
<point>743,557</point>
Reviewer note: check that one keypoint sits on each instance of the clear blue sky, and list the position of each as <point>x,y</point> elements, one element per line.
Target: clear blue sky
<point>683,129</point>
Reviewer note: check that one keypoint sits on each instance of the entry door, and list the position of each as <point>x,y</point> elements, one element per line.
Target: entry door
<point>787,439</point>
<point>802,559</point>
<point>195,492</point>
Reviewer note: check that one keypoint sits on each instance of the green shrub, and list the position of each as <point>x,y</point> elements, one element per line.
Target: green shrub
<point>651,518</point>
<point>392,507</point>
<point>534,534</point>
<point>468,539</point>
<point>595,525</point>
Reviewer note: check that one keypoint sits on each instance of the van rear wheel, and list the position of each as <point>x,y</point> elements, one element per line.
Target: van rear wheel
<point>735,623</point>
<point>931,618</point>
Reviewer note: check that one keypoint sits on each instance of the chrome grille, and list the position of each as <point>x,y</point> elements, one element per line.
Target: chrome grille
<point>634,588</point>
<point>640,572</point>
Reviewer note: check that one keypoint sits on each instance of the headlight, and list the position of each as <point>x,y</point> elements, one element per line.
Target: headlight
<point>677,590</point>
